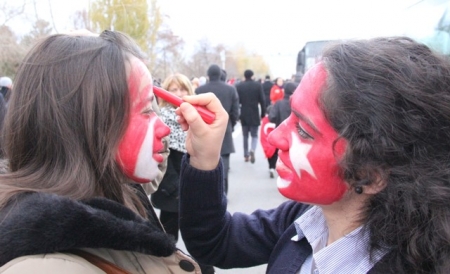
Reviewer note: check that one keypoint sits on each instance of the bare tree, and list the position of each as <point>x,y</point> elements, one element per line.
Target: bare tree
<point>168,54</point>
<point>11,53</point>
<point>41,29</point>
<point>81,20</point>
<point>11,9</point>
<point>204,56</point>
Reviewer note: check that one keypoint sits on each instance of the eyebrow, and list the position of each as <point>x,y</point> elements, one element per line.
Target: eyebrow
<point>307,121</point>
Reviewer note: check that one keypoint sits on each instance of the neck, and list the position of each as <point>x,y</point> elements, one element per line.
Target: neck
<point>344,216</point>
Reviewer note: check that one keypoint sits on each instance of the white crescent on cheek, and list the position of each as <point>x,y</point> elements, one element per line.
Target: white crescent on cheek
<point>282,183</point>
<point>298,155</point>
<point>268,126</point>
<point>146,166</point>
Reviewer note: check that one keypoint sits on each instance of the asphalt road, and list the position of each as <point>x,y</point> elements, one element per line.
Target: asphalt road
<point>250,188</point>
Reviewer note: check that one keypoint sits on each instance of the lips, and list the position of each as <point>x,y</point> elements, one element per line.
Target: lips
<point>158,157</point>
<point>159,148</point>
<point>283,171</point>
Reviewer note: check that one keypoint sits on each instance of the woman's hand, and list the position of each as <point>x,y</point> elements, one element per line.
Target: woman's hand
<point>203,141</point>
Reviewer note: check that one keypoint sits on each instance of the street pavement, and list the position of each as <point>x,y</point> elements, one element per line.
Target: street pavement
<point>250,188</point>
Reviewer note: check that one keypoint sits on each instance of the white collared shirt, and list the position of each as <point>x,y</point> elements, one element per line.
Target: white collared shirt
<point>349,254</point>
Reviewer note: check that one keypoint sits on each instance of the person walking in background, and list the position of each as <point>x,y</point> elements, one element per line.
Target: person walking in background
<point>267,87</point>
<point>5,87</point>
<point>364,158</point>
<point>277,91</point>
<point>229,98</point>
<point>223,76</point>
<point>195,83</point>
<point>269,150</point>
<point>282,108</point>
<point>250,96</point>
<point>166,197</point>
<point>201,81</point>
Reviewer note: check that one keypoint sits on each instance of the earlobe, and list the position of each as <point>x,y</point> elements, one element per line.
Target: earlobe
<point>378,185</point>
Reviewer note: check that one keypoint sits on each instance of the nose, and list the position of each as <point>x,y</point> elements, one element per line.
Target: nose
<point>179,93</point>
<point>161,129</point>
<point>278,138</point>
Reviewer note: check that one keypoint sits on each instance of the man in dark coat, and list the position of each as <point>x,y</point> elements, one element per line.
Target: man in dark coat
<point>229,98</point>
<point>250,95</point>
<point>267,86</point>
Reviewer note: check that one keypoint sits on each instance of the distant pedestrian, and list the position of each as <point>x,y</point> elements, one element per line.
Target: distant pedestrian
<point>201,81</point>
<point>5,87</point>
<point>269,150</point>
<point>195,83</point>
<point>229,98</point>
<point>277,92</point>
<point>267,86</point>
<point>223,76</point>
<point>250,96</point>
<point>282,108</point>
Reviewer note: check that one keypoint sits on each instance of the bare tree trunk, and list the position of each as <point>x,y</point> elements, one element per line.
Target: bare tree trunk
<point>51,15</point>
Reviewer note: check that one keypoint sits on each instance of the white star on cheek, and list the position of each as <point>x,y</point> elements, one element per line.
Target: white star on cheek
<point>297,153</point>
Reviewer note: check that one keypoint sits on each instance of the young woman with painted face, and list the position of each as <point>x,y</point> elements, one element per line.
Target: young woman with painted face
<point>81,137</point>
<point>364,156</point>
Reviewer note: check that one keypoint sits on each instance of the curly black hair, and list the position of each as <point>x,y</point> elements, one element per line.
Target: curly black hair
<point>389,98</point>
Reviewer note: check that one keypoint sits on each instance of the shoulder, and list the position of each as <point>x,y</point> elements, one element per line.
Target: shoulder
<point>50,263</point>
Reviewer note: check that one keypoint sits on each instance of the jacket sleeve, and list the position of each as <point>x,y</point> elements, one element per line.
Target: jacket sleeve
<point>274,114</point>
<point>215,237</point>
<point>262,102</point>
<point>234,112</point>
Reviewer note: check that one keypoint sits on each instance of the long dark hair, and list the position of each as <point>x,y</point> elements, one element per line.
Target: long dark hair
<point>390,99</point>
<point>66,117</point>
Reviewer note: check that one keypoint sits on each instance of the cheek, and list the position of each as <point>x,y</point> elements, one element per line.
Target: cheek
<point>135,152</point>
<point>316,178</point>
<point>131,143</point>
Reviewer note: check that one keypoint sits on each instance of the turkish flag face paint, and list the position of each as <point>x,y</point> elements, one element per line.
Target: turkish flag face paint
<point>138,150</point>
<point>307,163</point>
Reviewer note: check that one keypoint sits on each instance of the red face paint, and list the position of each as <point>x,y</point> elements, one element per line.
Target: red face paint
<point>307,163</point>
<point>138,150</point>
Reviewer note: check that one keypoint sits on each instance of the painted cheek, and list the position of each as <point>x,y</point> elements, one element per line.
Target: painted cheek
<point>315,173</point>
<point>130,145</point>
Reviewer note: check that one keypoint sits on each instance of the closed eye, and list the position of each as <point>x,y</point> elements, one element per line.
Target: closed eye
<point>303,133</point>
<point>148,110</point>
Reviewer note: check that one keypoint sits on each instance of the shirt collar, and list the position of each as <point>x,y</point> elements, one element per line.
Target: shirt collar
<point>350,253</point>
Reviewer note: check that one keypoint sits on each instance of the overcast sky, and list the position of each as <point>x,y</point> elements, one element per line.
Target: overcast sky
<point>278,29</point>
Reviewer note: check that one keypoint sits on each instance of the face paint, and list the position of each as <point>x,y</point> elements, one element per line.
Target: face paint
<point>138,150</point>
<point>307,163</point>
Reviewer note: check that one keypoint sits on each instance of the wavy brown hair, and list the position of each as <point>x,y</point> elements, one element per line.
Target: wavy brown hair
<point>66,117</point>
<point>390,99</point>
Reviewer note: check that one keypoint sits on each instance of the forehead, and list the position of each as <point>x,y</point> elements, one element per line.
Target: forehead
<point>305,97</point>
<point>139,78</point>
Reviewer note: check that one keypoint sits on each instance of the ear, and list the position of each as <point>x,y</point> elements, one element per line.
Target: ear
<point>378,185</point>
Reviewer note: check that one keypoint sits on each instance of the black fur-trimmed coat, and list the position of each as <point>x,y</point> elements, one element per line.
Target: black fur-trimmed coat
<point>40,223</point>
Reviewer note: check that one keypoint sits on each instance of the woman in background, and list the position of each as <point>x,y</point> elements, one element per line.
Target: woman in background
<point>166,198</point>
<point>277,91</point>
